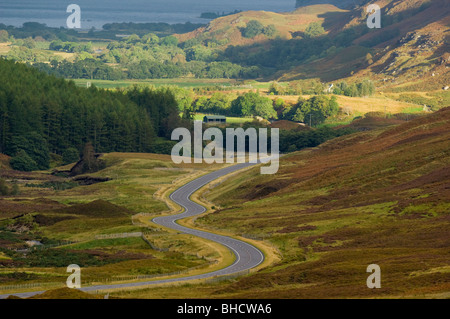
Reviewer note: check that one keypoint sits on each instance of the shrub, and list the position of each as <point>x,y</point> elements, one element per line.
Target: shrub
<point>35,146</point>
<point>277,89</point>
<point>270,30</point>
<point>314,110</point>
<point>57,186</point>
<point>15,189</point>
<point>23,162</point>
<point>314,29</point>
<point>375,115</point>
<point>4,190</point>
<point>253,29</point>
<point>359,89</point>
<point>4,36</point>
<point>253,104</point>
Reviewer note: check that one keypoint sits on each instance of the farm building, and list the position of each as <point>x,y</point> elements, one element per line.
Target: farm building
<point>214,119</point>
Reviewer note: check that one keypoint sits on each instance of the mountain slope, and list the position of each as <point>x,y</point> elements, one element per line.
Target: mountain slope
<point>379,197</point>
<point>344,4</point>
<point>227,29</point>
<point>409,52</point>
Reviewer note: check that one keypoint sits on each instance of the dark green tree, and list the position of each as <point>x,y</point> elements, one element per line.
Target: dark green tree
<point>169,41</point>
<point>253,28</point>
<point>313,111</point>
<point>70,155</point>
<point>4,36</point>
<point>270,30</point>
<point>4,189</point>
<point>34,145</point>
<point>314,29</point>
<point>253,104</point>
<point>23,162</point>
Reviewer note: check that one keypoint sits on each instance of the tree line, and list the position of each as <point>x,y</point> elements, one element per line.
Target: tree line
<point>108,31</point>
<point>362,88</point>
<point>41,114</point>
<point>246,105</point>
<point>135,57</point>
<point>313,111</point>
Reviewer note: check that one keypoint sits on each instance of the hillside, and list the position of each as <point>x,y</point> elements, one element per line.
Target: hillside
<point>416,57</point>
<point>345,4</point>
<point>409,52</point>
<point>321,40</point>
<point>380,196</point>
<point>90,225</point>
<point>288,25</point>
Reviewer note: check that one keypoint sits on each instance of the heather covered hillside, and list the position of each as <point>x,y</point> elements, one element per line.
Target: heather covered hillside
<point>94,122</point>
<point>380,196</point>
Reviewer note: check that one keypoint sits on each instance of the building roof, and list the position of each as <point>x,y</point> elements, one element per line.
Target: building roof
<point>215,117</point>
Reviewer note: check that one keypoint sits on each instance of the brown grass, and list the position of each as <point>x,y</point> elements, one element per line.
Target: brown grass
<point>5,47</point>
<point>372,197</point>
<point>65,293</point>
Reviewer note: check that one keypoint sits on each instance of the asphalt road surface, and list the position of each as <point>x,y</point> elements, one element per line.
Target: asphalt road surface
<point>246,255</point>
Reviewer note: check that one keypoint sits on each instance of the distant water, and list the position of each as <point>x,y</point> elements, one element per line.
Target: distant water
<point>96,13</point>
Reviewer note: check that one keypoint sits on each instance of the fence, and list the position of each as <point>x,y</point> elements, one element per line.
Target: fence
<point>44,246</point>
<point>33,285</point>
<point>142,277</point>
<point>139,223</point>
<point>143,215</point>
<point>153,246</point>
<point>99,281</point>
<point>119,235</point>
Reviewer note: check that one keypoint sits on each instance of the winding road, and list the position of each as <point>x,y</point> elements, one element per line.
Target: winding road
<point>246,255</point>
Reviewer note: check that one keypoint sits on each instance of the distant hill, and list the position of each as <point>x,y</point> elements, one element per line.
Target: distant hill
<point>410,51</point>
<point>343,4</point>
<point>227,30</point>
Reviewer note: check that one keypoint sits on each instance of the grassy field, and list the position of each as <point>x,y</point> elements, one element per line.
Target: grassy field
<point>71,219</point>
<point>361,105</point>
<point>374,197</point>
<point>371,197</point>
